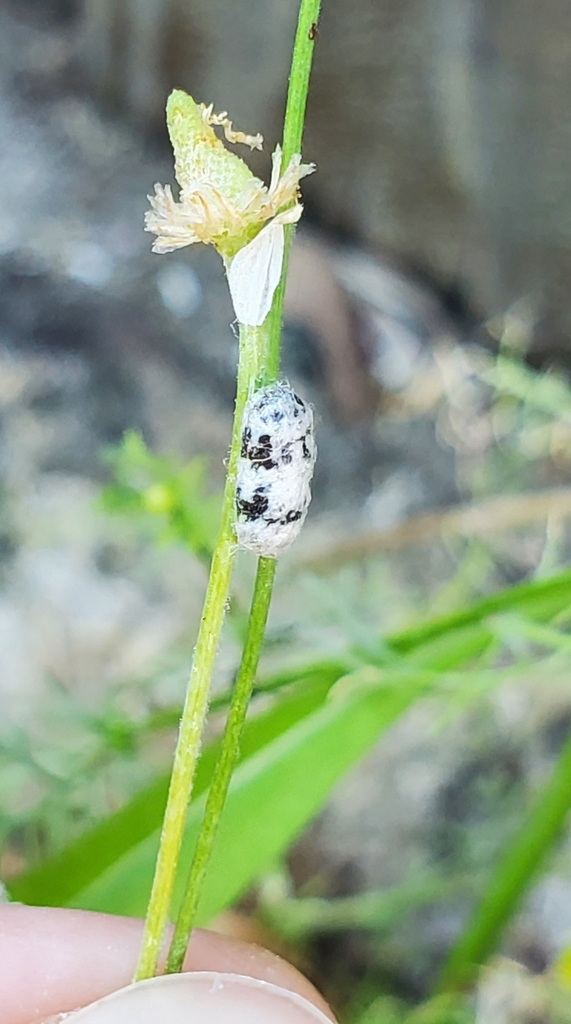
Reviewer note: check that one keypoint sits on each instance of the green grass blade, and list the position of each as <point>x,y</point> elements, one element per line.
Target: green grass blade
<point>440,645</point>
<point>540,599</point>
<point>273,795</point>
<point>522,861</point>
<point>298,918</point>
<point>56,882</point>
<point>449,650</point>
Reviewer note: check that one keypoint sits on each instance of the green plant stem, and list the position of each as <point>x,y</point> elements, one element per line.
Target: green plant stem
<point>226,761</point>
<point>293,134</point>
<point>514,874</point>
<point>293,131</point>
<point>254,365</point>
<point>296,919</point>
<point>253,347</point>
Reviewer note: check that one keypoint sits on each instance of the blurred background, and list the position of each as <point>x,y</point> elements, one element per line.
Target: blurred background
<point>427,319</point>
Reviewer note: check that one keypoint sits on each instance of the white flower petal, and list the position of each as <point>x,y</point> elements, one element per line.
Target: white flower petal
<point>254,273</point>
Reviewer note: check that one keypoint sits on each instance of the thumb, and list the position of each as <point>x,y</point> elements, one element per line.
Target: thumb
<point>53,961</point>
<point>211,998</point>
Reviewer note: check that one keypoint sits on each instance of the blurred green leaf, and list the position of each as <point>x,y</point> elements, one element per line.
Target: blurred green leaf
<point>297,918</point>
<point>273,795</point>
<point>547,392</point>
<point>56,882</point>
<point>540,600</point>
<point>287,773</point>
<point>443,1009</point>
<point>519,865</point>
<point>446,1008</point>
<point>150,486</point>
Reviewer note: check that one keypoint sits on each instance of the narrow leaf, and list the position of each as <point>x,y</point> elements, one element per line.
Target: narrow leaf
<point>521,862</point>
<point>540,599</point>
<point>57,881</point>
<point>273,795</point>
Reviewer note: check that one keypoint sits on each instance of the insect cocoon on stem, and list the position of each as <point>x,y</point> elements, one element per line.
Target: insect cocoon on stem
<point>275,468</point>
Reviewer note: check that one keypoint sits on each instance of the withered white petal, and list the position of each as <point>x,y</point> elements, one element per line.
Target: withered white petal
<point>254,273</point>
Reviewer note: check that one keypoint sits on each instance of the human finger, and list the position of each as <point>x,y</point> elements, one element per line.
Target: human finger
<point>54,960</point>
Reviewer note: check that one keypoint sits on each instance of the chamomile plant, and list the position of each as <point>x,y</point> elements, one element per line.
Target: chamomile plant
<point>222,203</point>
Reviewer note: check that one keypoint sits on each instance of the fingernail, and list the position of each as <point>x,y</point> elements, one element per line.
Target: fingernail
<point>204,996</point>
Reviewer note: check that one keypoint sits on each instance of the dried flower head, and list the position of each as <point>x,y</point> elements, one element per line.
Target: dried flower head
<point>224,204</point>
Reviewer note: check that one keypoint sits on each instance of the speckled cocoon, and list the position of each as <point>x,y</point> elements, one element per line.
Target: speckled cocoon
<point>274,471</point>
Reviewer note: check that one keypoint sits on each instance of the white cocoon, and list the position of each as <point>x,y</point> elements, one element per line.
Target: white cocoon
<point>273,482</point>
